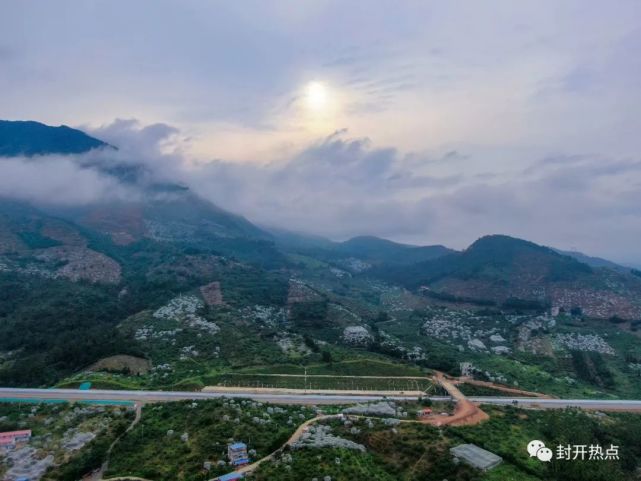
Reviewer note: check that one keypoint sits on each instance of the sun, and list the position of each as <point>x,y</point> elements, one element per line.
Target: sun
<point>316,96</point>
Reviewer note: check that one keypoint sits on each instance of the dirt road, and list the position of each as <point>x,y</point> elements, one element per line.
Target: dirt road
<point>499,387</point>
<point>466,413</point>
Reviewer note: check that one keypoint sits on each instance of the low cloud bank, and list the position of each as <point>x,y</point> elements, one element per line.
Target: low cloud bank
<point>340,187</point>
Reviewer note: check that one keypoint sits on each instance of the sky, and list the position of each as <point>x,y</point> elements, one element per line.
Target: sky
<point>419,121</point>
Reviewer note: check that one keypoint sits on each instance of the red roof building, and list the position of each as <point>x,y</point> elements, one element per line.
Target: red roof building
<point>10,438</point>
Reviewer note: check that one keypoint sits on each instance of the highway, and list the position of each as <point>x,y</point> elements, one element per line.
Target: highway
<point>97,395</point>
<point>547,403</point>
<point>165,396</point>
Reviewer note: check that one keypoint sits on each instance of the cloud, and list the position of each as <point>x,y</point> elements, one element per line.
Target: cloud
<point>338,186</point>
<point>145,155</point>
<point>56,180</point>
<point>341,186</point>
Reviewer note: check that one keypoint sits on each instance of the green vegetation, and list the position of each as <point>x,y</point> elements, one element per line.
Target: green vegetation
<point>414,451</point>
<point>56,326</point>
<point>155,450</point>
<point>509,430</point>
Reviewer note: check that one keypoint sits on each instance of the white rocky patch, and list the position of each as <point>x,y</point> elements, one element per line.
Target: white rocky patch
<point>476,345</point>
<point>382,408</point>
<point>269,315</point>
<point>500,349</point>
<point>583,342</point>
<point>321,437</point>
<point>184,309</point>
<point>497,338</point>
<point>358,335</point>
<point>26,463</point>
<point>74,440</point>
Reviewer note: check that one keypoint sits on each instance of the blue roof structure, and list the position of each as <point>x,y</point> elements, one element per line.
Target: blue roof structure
<point>238,446</point>
<point>230,476</point>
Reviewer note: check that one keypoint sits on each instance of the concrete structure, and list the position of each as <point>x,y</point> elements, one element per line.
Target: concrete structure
<point>237,454</point>
<point>476,457</point>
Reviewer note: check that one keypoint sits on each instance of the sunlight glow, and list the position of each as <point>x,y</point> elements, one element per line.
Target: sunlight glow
<point>316,96</point>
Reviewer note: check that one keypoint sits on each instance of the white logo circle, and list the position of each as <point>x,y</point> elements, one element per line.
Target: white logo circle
<point>533,446</point>
<point>544,454</point>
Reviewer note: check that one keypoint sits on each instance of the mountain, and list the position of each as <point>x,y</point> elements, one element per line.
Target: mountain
<point>369,249</point>
<point>504,271</point>
<point>161,211</point>
<point>377,250</point>
<point>171,216</point>
<point>30,138</point>
<point>293,240</point>
<point>594,261</point>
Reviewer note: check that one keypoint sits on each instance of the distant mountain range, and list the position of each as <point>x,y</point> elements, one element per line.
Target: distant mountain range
<point>495,270</point>
<point>508,272</point>
<point>370,249</point>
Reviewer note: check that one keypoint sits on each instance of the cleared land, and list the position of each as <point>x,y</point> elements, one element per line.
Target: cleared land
<point>321,382</point>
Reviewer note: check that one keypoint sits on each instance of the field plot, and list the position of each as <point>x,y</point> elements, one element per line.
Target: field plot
<point>295,381</point>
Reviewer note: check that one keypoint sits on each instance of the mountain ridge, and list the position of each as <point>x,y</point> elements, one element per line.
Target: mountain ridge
<point>503,270</point>
<point>30,138</point>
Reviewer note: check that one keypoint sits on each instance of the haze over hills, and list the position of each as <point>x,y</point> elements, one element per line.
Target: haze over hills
<point>161,210</point>
<point>494,268</point>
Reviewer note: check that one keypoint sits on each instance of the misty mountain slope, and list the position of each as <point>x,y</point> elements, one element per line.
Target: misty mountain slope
<point>370,249</point>
<point>33,138</point>
<point>178,216</point>
<point>594,261</point>
<point>34,243</point>
<point>159,210</point>
<point>507,271</point>
<point>375,249</point>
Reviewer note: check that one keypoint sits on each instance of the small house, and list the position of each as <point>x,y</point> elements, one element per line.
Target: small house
<point>425,412</point>
<point>237,454</point>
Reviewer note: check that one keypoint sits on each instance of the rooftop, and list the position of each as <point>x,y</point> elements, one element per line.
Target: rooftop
<point>230,477</point>
<point>476,457</point>
<point>26,432</point>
